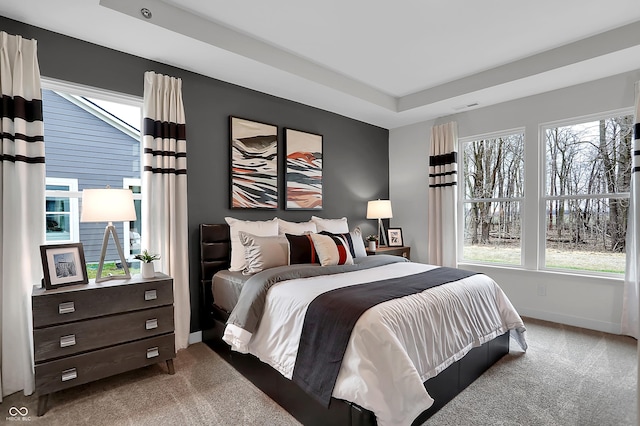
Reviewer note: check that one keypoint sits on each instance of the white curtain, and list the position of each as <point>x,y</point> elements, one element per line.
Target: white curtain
<point>630,307</point>
<point>443,195</point>
<point>164,188</point>
<point>22,213</point>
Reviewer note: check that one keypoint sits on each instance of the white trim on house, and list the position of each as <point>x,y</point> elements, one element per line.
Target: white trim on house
<point>89,91</point>
<point>78,94</point>
<point>102,114</point>
<point>74,213</point>
<point>127,183</point>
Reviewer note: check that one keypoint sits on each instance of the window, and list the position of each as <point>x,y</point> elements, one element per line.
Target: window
<point>492,194</point>
<point>91,141</point>
<point>61,208</point>
<point>587,171</point>
<point>569,214</point>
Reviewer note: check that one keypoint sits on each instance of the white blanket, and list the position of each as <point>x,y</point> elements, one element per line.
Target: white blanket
<point>396,345</point>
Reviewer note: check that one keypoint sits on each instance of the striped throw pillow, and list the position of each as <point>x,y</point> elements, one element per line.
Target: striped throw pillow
<point>332,250</point>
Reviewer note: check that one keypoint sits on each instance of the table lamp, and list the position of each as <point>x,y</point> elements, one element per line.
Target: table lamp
<point>379,209</point>
<point>108,205</point>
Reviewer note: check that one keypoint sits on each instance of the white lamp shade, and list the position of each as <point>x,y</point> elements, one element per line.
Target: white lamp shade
<point>379,209</point>
<point>107,205</point>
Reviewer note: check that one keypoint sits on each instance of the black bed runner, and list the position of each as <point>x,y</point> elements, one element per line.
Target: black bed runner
<point>331,317</point>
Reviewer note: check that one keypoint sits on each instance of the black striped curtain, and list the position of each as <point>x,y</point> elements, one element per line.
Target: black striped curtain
<point>631,301</point>
<point>164,190</point>
<point>443,180</point>
<point>22,209</point>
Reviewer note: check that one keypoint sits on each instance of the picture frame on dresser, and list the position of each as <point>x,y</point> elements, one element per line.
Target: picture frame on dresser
<point>395,237</point>
<point>63,264</point>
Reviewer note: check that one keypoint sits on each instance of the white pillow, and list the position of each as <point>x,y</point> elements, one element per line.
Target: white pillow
<point>266,228</point>
<point>296,228</point>
<point>331,250</point>
<point>335,226</point>
<point>358,243</point>
<point>264,252</point>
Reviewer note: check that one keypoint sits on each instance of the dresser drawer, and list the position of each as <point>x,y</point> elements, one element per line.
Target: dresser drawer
<point>96,300</point>
<point>79,369</point>
<point>72,338</point>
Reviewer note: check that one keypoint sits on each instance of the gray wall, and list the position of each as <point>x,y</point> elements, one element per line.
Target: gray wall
<point>356,159</point>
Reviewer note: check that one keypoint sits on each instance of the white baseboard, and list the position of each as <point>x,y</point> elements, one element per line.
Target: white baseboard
<point>588,323</point>
<point>195,337</point>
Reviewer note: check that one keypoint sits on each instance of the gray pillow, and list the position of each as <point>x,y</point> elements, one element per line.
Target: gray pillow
<point>263,252</point>
<point>358,243</point>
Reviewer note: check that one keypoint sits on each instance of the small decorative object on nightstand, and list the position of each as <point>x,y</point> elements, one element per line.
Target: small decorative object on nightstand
<point>372,240</point>
<point>146,263</point>
<point>395,237</point>
<point>88,332</point>
<point>403,251</point>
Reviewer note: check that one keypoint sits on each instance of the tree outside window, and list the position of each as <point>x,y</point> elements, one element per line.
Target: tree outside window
<point>586,199</point>
<point>493,189</point>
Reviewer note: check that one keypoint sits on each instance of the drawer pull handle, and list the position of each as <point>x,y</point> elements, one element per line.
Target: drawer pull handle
<point>66,308</point>
<point>69,374</point>
<point>150,295</point>
<point>69,340</point>
<point>153,352</point>
<point>151,324</point>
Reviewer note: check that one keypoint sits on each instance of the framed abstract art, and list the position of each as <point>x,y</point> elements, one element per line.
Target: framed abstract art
<point>254,164</point>
<point>303,170</point>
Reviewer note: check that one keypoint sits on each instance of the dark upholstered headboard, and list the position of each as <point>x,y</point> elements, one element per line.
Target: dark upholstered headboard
<point>215,255</point>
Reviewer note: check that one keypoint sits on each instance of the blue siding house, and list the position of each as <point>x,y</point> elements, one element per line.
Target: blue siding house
<point>87,147</point>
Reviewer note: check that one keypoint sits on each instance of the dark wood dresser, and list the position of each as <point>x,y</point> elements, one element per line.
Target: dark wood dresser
<point>83,333</point>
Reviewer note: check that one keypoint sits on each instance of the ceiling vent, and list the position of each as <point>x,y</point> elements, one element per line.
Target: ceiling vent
<point>461,107</point>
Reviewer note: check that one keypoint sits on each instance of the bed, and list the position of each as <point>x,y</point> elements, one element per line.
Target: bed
<point>357,393</point>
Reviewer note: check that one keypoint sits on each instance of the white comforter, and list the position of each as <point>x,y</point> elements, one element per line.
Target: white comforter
<point>396,345</point>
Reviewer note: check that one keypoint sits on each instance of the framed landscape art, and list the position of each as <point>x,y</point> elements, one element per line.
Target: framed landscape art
<point>303,170</point>
<point>254,164</point>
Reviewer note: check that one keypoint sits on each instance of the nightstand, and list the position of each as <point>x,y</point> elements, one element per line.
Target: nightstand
<point>395,251</point>
<point>83,333</point>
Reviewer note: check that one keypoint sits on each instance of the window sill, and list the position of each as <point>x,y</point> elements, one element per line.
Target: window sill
<point>549,273</point>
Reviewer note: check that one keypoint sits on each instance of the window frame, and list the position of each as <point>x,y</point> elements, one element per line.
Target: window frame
<point>77,89</point>
<point>462,200</point>
<point>74,213</point>
<point>543,198</point>
<point>127,183</point>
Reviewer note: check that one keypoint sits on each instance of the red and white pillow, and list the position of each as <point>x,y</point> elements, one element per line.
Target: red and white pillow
<point>332,250</point>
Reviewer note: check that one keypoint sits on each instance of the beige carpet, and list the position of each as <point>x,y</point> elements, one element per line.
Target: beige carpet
<point>204,391</point>
<point>569,376</point>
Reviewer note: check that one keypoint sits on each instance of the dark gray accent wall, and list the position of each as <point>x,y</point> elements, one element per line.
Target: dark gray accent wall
<point>355,157</point>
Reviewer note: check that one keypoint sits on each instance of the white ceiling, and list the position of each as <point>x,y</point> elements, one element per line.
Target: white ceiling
<point>389,63</point>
